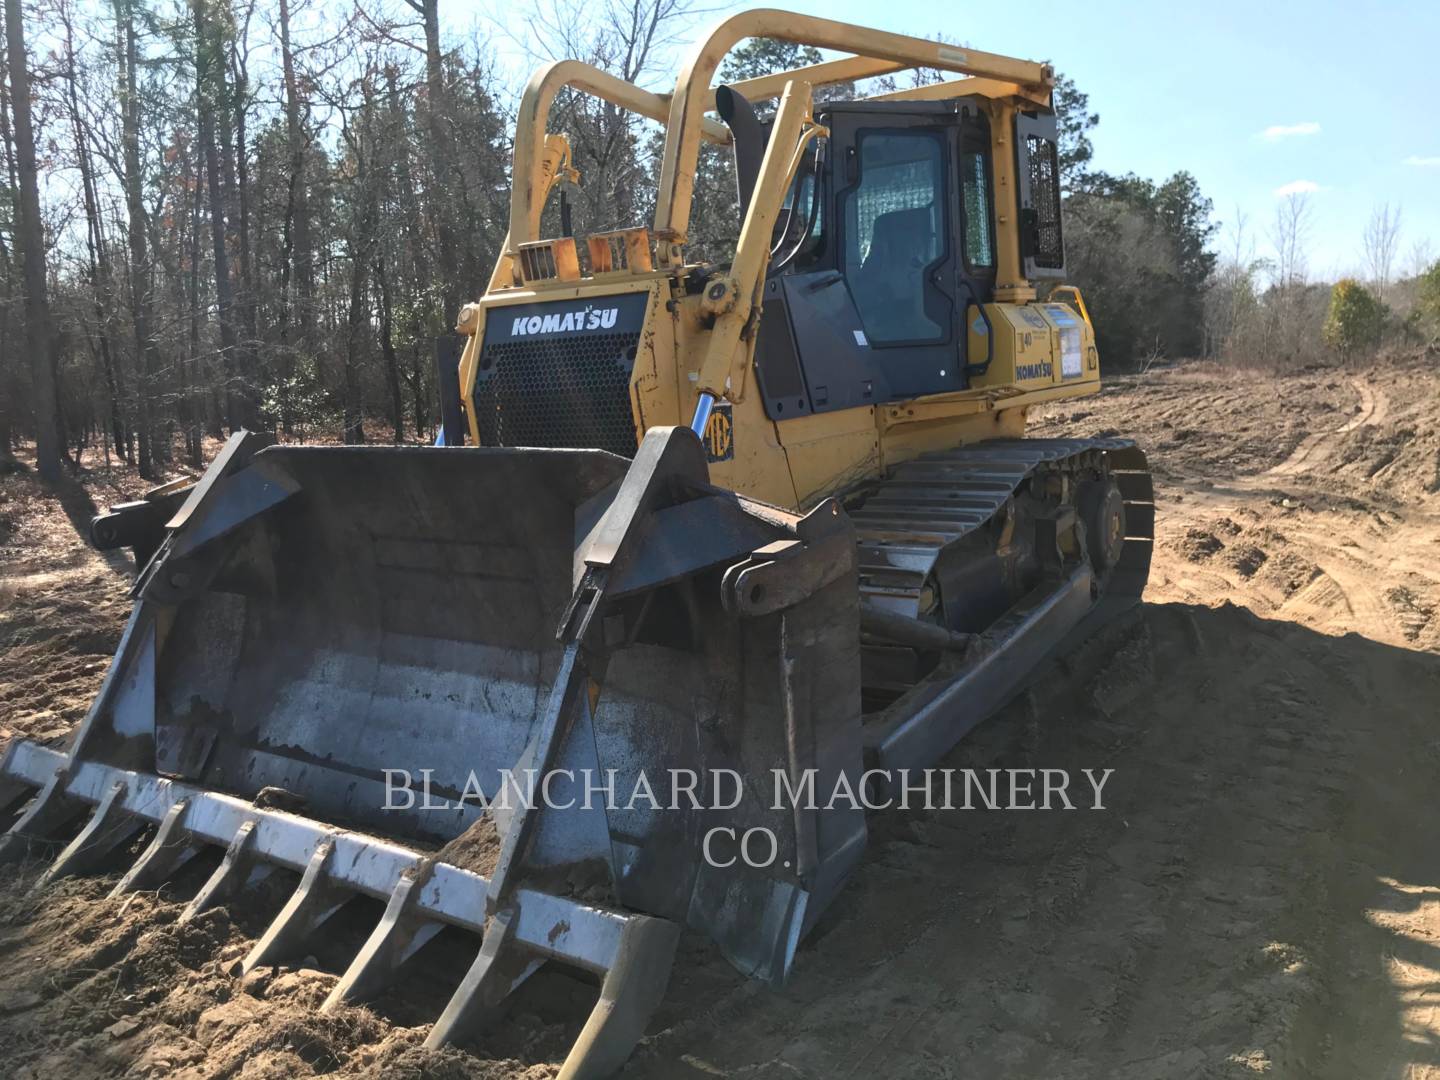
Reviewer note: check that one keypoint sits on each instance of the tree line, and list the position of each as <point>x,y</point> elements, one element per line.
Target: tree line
<point>221,214</point>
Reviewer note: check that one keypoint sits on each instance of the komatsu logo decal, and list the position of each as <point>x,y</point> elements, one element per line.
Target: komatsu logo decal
<point>564,322</point>
<point>1042,370</point>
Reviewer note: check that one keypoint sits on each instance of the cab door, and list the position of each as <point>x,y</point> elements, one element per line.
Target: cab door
<point>895,184</point>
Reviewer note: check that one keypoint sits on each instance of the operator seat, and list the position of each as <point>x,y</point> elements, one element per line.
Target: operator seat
<point>891,294</point>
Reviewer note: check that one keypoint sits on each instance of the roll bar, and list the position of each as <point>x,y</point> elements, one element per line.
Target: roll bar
<point>527,176</point>
<point>876,52</point>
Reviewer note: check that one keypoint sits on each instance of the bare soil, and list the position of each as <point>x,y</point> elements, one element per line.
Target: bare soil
<point>1260,896</point>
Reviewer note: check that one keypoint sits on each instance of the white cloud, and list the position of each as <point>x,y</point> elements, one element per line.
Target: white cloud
<point>1297,187</point>
<point>1285,131</point>
<point>1424,162</point>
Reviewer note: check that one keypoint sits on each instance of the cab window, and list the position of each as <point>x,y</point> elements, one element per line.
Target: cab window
<point>975,201</point>
<point>894,233</point>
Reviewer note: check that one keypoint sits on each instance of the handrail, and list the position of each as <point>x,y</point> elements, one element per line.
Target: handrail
<point>1079,304</point>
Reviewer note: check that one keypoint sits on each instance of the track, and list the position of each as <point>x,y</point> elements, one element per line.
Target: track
<point>928,504</point>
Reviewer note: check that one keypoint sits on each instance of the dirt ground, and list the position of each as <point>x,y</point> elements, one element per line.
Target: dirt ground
<point>1261,895</point>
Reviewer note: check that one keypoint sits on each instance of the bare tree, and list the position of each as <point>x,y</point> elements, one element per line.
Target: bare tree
<point>147,358</point>
<point>441,156</point>
<point>1290,333</point>
<point>97,249</point>
<point>626,38</point>
<point>1232,302</point>
<point>41,338</point>
<point>297,264</point>
<point>210,96</point>
<point>1381,244</point>
<point>1290,233</point>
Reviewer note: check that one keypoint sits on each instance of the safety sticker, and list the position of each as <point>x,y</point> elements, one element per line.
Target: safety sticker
<point>1070,364</point>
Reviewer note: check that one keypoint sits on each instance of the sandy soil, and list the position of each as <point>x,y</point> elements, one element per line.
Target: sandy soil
<point>1261,895</point>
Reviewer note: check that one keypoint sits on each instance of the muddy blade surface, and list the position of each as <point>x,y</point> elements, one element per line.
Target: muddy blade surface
<point>397,613</point>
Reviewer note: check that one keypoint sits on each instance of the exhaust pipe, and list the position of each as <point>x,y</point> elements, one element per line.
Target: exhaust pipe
<point>749,138</point>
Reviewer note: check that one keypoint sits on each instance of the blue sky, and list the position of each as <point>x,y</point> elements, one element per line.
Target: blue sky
<point>1195,86</point>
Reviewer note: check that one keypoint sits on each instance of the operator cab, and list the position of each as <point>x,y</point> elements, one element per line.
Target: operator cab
<point>885,253</point>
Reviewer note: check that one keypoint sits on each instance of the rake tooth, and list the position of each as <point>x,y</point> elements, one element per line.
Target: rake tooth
<point>51,810</point>
<point>108,828</point>
<point>633,988</point>
<point>167,851</point>
<point>315,899</point>
<point>236,869</point>
<point>397,937</point>
<point>494,974</point>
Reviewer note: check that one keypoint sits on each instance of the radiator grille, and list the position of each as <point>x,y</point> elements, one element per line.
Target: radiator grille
<point>563,392</point>
<point>1045,198</point>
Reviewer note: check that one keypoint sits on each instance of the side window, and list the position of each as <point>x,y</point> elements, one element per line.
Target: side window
<point>799,232</point>
<point>976,203</point>
<point>894,233</point>
<point>1044,165</point>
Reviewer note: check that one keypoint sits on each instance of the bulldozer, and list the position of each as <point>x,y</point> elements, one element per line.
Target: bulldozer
<point>765,522</point>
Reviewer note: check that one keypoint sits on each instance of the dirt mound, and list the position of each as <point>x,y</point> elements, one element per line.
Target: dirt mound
<point>1246,559</point>
<point>96,988</point>
<point>1197,545</point>
<point>62,605</point>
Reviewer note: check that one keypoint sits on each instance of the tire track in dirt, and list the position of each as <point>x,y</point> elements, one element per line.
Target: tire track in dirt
<point>1373,408</point>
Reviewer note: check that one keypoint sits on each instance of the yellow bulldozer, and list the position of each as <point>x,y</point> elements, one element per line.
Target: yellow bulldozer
<point>697,533</point>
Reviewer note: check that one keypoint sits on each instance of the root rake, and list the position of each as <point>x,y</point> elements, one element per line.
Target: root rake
<point>631,953</point>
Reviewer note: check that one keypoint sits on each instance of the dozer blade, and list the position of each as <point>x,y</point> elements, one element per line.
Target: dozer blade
<point>343,659</point>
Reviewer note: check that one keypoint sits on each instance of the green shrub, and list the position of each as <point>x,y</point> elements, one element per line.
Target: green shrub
<point>1355,318</point>
<point>1427,301</point>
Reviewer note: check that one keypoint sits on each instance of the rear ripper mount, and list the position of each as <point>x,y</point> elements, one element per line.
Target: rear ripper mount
<point>313,617</point>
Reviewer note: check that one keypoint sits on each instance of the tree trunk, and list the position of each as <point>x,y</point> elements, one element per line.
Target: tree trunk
<point>238,175</point>
<point>354,334</point>
<point>361,247</point>
<point>416,380</point>
<point>41,340</point>
<point>209,89</point>
<point>11,391</point>
<point>297,267</point>
<point>195,405</point>
<point>440,164</point>
<point>387,351</point>
<point>147,360</point>
<point>97,250</point>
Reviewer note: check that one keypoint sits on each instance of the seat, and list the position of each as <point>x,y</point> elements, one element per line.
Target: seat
<point>891,286</point>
